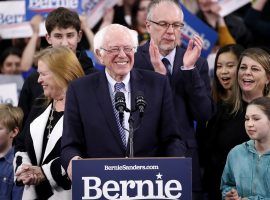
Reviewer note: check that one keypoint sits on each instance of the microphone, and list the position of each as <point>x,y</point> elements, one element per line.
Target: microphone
<point>120,105</point>
<point>140,103</point>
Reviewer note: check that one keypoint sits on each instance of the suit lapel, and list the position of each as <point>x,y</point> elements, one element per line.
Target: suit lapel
<point>178,62</point>
<point>37,128</point>
<point>178,59</point>
<point>105,103</point>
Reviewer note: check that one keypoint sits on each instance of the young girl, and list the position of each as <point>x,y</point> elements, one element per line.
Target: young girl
<point>247,171</point>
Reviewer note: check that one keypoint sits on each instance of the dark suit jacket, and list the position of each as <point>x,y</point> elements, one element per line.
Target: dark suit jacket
<point>192,99</point>
<point>90,128</point>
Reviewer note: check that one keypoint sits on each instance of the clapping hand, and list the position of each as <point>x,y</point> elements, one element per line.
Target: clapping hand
<point>193,51</point>
<point>155,59</point>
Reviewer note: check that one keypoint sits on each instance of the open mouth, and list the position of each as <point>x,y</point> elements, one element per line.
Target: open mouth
<point>247,82</point>
<point>225,80</point>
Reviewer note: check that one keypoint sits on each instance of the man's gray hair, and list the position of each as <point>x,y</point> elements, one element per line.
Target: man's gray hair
<point>101,34</point>
<point>154,3</point>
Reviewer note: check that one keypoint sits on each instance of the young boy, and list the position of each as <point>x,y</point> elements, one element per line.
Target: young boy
<point>63,29</point>
<point>10,124</point>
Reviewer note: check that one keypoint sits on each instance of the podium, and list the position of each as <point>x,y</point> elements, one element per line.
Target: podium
<point>132,178</point>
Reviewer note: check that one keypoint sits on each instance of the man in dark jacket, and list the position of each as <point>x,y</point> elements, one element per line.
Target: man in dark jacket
<point>186,70</point>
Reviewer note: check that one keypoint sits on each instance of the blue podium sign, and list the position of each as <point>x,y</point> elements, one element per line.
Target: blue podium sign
<point>136,178</point>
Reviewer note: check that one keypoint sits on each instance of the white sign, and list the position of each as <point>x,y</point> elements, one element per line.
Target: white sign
<point>12,12</point>
<point>12,24</point>
<point>229,6</point>
<point>21,30</point>
<point>8,94</point>
<point>95,9</point>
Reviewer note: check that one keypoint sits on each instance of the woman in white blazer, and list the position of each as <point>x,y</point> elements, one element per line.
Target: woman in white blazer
<point>37,164</point>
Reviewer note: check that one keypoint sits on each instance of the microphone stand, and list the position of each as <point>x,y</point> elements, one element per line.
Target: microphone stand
<point>131,134</point>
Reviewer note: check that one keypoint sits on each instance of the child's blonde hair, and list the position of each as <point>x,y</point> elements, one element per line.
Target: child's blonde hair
<point>11,117</point>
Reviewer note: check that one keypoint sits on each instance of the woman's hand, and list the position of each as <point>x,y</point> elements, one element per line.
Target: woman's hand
<point>30,175</point>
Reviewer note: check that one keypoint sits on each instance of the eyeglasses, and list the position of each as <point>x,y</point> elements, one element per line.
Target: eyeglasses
<point>166,25</point>
<point>116,50</point>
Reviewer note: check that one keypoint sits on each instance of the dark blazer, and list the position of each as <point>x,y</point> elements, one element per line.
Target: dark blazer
<point>192,99</point>
<point>28,150</point>
<point>90,128</point>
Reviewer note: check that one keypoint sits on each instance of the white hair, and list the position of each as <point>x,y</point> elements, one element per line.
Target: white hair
<point>100,35</point>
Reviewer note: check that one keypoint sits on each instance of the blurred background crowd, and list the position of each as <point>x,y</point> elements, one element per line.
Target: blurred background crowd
<point>242,47</point>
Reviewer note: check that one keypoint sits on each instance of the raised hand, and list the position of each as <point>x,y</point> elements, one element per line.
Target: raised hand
<point>193,51</point>
<point>35,22</point>
<point>155,58</point>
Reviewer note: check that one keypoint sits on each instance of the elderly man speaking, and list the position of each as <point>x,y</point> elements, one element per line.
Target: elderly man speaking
<point>91,124</point>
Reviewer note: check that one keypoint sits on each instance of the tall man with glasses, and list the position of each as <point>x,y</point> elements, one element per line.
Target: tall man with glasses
<point>187,72</point>
<point>92,128</point>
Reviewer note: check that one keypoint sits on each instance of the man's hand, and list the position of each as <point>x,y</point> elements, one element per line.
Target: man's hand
<point>69,169</point>
<point>155,59</point>
<point>193,52</point>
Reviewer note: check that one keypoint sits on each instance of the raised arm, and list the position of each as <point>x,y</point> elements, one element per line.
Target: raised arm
<point>30,49</point>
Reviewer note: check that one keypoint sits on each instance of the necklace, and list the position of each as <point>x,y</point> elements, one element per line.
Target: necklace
<point>49,127</point>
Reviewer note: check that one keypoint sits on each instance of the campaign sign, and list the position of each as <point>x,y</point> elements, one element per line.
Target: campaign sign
<point>136,178</point>
<point>96,9</point>
<point>12,12</point>
<point>193,25</point>
<point>8,94</point>
<point>41,7</point>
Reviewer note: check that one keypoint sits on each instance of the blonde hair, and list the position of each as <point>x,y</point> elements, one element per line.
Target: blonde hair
<point>63,63</point>
<point>11,117</point>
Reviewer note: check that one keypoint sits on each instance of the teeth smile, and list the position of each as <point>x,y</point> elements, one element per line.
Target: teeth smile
<point>249,81</point>
<point>122,63</point>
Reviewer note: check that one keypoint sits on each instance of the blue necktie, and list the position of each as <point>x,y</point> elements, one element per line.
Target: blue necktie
<point>117,88</point>
<point>167,64</point>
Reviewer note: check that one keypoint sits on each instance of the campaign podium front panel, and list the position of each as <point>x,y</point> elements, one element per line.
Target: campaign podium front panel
<point>136,178</point>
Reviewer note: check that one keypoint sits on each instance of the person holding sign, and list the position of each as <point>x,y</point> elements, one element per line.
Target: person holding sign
<point>186,70</point>
<point>37,151</point>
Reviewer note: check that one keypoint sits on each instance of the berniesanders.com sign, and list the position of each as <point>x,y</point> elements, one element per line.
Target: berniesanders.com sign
<point>138,178</point>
